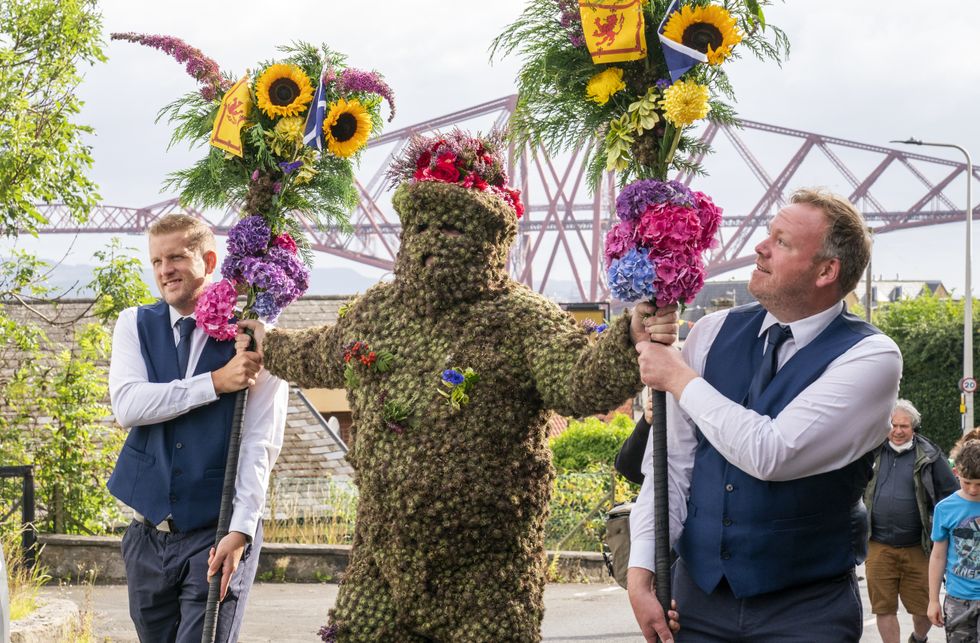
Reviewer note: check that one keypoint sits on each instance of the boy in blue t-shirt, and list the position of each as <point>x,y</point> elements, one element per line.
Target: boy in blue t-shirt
<point>956,552</point>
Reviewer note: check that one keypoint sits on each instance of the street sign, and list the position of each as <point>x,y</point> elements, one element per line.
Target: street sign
<point>968,385</point>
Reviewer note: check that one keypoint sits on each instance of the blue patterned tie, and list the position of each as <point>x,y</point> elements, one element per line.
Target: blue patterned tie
<point>185,326</point>
<point>778,334</point>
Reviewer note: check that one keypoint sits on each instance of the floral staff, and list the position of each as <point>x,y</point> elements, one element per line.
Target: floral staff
<point>582,82</point>
<point>267,138</point>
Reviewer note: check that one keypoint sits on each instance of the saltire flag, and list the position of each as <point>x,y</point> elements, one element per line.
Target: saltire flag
<point>680,58</point>
<point>227,131</point>
<point>313,132</point>
<point>614,29</point>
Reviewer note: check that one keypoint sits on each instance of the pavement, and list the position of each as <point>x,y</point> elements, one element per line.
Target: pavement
<point>293,612</point>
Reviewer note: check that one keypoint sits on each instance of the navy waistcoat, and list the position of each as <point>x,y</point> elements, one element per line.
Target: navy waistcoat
<point>765,536</point>
<point>176,467</point>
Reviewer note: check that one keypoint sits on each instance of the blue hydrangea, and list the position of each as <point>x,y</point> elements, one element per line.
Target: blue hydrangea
<point>265,306</point>
<point>452,376</point>
<point>631,276</point>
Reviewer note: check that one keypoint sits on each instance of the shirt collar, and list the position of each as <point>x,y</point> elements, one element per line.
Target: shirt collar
<point>176,316</point>
<point>805,330</point>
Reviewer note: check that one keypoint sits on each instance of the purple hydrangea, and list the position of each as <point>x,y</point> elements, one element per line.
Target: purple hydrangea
<point>631,276</point>
<point>356,80</point>
<point>250,236</point>
<point>636,197</point>
<point>452,376</point>
<point>265,306</point>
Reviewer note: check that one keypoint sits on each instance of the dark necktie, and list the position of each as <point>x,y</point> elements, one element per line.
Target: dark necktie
<point>185,326</point>
<point>778,334</point>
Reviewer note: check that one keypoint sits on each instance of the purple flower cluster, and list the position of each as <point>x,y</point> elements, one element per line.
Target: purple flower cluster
<point>638,196</point>
<point>201,68</point>
<point>354,80</point>
<point>328,634</point>
<point>631,276</point>
<point>269,266</point>
<point>250,236</point>
<point>571,21</point>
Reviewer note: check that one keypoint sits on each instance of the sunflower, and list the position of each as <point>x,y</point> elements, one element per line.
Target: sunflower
<point>685,102</point>
<point>711,30</point>
<point>604,84</point>
<point>283,90</point>
<point>347,127</point>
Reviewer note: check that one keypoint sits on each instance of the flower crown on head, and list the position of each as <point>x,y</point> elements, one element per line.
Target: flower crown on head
<point>474,162</point>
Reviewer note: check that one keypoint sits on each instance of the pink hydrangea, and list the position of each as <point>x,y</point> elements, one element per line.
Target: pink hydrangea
<point>666,227</point>
<point>710,216</point>
<point>215,308</point>
<point>680,276</point>
<point>620,238</point>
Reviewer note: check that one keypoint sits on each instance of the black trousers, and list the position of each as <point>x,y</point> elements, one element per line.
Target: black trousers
<point>166,577</point>
<point>822,612</point>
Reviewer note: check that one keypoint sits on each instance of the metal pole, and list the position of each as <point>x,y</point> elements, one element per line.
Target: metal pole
<point>968,295</point>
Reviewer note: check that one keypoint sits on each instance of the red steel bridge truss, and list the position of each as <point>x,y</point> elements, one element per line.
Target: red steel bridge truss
<point>561,234</point>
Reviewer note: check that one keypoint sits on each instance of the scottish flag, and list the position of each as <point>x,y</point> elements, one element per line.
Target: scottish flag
<point>313,132</point>
<point>680,58</point>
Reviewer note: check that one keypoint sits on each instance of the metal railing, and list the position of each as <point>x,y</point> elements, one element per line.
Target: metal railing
<point>26,506</point>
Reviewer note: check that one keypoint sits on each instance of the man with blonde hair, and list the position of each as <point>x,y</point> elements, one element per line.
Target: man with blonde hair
<point>774,411</point>
<point>174,388</point>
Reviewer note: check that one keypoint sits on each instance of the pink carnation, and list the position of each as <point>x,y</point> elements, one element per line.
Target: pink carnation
<point>215,307</point>
<point>710,217</point>
<point>620,238</point>
<point>286,242</point>
<point>668,227</point>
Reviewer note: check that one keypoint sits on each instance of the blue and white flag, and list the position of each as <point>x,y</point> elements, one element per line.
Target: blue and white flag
<point>680,58</point>
<point>313,132</point>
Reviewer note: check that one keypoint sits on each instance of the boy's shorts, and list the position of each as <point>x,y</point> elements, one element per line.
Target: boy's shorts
<point>961,617</point>
<point>894,572</point>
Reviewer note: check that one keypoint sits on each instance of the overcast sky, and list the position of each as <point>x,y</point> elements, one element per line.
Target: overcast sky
<point>868,71</point>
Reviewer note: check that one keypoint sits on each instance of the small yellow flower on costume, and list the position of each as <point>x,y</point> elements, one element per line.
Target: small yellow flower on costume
<point>604,84</point>
<point>283,90</point>
<point>711,30</point>
<point>346,127</point>
<point>685,102</point>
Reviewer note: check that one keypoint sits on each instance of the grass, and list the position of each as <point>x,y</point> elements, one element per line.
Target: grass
<point>23,583</point>
<point>313,511</point>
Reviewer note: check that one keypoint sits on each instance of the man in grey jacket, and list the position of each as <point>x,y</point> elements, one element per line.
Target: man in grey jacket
<point>910,476</point>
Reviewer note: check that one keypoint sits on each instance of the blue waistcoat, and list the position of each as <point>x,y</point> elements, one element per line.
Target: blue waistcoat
<point>177,467</point>
<point>765,536</point>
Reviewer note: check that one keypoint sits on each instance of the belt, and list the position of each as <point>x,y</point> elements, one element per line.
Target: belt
<point>166,525</point>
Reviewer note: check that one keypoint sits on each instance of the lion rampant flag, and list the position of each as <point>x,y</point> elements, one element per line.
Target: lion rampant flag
<point>227,132</point>
<point>614,29</point>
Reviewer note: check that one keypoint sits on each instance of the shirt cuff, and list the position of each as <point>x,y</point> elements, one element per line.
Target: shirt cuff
<point>643,554</point>
<point>246,524</point>
<point>200,390</point>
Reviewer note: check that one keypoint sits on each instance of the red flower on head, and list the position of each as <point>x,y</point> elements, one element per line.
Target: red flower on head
<point>423,161</point>
<point>474,180</point>
<point>515,197</point>
<point>445,170</point>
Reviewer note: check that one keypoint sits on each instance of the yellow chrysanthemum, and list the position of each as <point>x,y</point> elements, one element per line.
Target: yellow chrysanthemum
<point>711,30</point>
<point>604,84</point>
<point>347,127</point>
<point>685,102</point>
<point>283,90</point>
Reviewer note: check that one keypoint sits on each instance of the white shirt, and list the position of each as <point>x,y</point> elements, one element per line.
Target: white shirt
<point>136,402</point>
<point>841,416</point>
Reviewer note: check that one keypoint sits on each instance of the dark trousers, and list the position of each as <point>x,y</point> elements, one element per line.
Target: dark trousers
<point>825,611</point>
<point>166,576</point>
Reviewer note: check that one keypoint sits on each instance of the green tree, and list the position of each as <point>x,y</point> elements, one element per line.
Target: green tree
<point>929,332</point>
<point>42,156</point>
<point>590,444</point>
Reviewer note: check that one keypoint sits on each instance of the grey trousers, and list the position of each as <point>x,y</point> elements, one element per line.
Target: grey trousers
<point>168,589</point>
<point>825,611</point>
